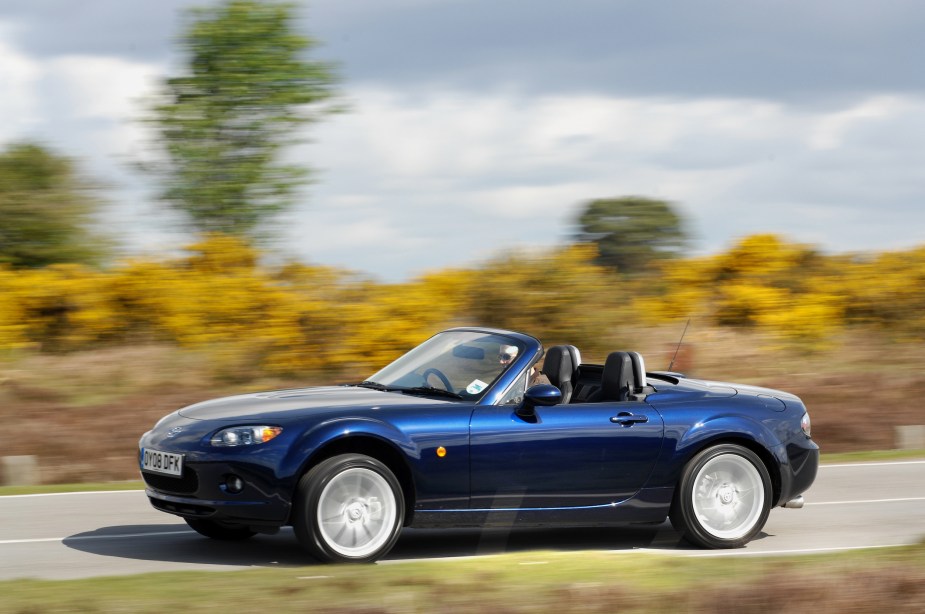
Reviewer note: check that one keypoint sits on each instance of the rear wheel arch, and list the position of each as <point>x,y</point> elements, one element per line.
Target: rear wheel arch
<point>717,501</point>
<point>770,464</point>
<point>767,458</point>
<point>373,447</point>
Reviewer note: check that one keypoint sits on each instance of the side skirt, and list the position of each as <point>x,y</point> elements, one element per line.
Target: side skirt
<point>648,505</point>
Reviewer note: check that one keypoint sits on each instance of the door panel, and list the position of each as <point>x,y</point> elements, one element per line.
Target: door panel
<point>570,456</point>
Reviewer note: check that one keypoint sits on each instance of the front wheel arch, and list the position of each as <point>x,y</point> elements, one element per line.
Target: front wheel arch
<point>375,448</point>
<point>348,508</point>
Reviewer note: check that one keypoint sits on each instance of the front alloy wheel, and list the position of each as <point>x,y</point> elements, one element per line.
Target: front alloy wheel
<point>723,499</point>
<point>349,508</point>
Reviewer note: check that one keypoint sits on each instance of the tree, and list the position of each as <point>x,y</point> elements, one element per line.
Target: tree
<point>46,210</point>
<point>224,123</point>
<point>631,231</point>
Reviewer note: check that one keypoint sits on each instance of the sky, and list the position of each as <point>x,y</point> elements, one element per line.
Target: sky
<point>475,127</point>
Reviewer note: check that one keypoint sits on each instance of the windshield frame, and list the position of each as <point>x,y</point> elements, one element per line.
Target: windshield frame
<point>404,373</point>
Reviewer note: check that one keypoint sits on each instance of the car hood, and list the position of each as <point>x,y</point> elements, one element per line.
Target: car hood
<point>282,404</point>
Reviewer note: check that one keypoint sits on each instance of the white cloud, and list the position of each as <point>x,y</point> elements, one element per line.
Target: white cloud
<point>100,87</point>
<point>87,107</point>
<point>831,130</point>
<point>483,172</point>
<point>101,99</point>
<point>18,75</point>
<point>48,99</point>
<point>418,175</point>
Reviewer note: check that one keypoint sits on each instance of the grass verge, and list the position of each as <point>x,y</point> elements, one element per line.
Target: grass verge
<point>863,581</point>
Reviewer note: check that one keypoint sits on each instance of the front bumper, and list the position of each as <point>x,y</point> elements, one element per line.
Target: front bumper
<point>201,493</point>
<point>799,472</point>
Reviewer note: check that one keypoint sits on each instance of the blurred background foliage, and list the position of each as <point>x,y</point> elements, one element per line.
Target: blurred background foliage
<point>244,88</point>
<point>293,318</point>
<point>46,209</point>
<point>85,337</point>
<point>223,123</point>
<point>631,231</point>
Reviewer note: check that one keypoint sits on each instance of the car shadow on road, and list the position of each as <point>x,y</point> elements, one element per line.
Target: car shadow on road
<point>426,543</point>
<point>177,544</point>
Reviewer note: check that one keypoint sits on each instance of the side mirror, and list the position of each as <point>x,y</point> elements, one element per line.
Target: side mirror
<point>541,395</point>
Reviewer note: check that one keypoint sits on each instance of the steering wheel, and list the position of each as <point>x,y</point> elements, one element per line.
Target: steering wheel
<point>443,378</point>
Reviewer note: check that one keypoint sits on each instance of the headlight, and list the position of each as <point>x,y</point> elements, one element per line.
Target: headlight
<point>806,425</point>
<point>244,436</point>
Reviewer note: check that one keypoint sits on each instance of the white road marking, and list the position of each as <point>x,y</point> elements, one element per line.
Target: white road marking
<point>864,501</point>
<point>64,494</point>
<point>87,537</point>
<point>876,464</point>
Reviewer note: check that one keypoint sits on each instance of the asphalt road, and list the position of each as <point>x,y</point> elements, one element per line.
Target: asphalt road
<point>98,534</point>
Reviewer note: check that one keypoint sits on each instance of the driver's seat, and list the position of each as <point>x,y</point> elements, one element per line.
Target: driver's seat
<point>561,367</point>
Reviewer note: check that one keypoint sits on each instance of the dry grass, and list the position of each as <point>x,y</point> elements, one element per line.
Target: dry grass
<point>82,414</point>
<point>881,581</point>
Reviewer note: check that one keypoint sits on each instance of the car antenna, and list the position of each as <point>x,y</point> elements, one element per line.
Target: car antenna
<point>677,349</point>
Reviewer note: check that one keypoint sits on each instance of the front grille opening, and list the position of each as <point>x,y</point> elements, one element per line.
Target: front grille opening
<point>186,484</point>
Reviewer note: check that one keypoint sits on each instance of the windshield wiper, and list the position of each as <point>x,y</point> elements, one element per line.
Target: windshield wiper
<point>418,390</point>
<point>373,385</point>
<point>430,390</point>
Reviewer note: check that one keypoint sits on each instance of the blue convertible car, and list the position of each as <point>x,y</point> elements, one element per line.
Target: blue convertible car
<point>453,434</point>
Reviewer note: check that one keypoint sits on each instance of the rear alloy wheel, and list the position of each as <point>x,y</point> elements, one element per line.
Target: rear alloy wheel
<point>723,499</point>
<point>219,530</point>
<point>349,509</point>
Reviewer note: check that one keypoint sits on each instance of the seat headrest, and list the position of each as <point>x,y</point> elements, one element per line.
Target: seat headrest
<point>617,380</point>
<point>561,363</point>
<point>639,370</point>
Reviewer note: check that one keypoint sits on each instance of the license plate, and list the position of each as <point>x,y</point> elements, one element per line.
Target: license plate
<point>167,463</point>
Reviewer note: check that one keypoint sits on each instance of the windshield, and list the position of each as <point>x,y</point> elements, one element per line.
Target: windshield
<point>463,363</point>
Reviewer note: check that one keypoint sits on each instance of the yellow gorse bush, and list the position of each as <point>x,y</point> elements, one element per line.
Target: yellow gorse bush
<point>298,317</point>
<point>218,298</point>
<point>13,328</point>
<point>792,291</point>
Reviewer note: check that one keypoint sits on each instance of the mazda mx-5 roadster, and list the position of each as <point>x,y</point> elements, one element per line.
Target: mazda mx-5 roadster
<point>456,433</point>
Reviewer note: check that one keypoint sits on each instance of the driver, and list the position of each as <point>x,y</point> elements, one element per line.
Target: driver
<point>507,354</point>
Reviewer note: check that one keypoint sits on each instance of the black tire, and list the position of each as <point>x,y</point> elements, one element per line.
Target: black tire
<point>219,530</point>
<point>723,498</point>
<point>348,509</point>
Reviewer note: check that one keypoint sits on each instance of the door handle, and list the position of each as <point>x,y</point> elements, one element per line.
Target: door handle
<point>627,419</point>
